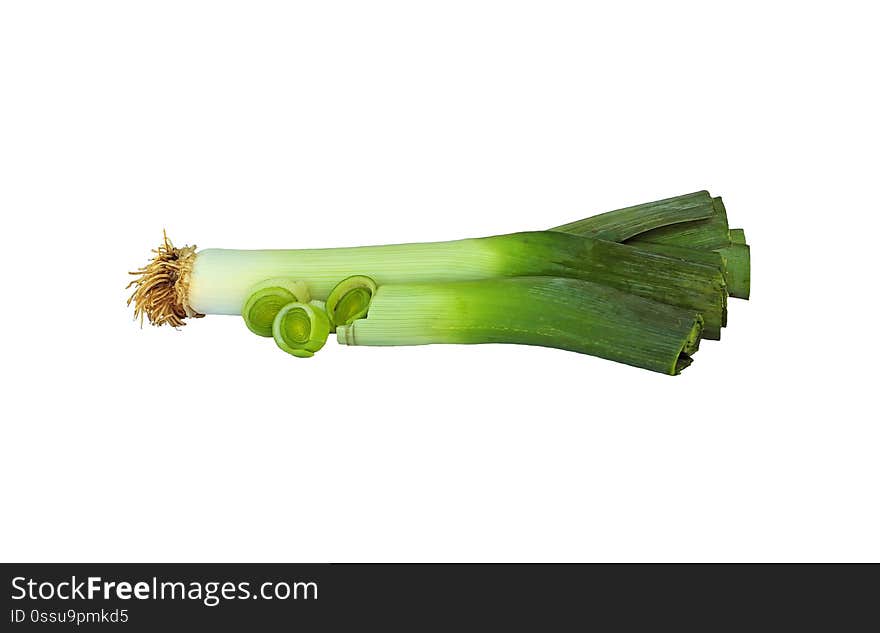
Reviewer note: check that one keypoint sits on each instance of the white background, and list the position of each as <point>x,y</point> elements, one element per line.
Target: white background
<point>260,125</point>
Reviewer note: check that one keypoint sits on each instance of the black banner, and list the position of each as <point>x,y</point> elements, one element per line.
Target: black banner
<point>266,597</point>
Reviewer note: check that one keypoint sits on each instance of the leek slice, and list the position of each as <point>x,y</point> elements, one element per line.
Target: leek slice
<point>300,329</point>
<point>349,300</point>
<point>266,298</point>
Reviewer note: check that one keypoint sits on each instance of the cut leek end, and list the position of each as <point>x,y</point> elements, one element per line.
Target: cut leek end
<point>345,335</point>
<point>690,347</point>
<point>737,236</point>
<point>300,329</point>
<point>692,344</point>
<point>740,270</point>
<point>737,269</point>
<point>350,300</point>
<point>161,290</point>
<point>684,361</point>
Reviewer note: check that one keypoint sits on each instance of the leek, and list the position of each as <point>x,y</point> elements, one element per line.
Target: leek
<point>569,314</point>
<point>182,282</point>
<point>640,285</point>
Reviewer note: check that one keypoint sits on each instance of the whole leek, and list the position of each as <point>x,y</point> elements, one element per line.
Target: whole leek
<point>640,285</point>
<point>182,283</point>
